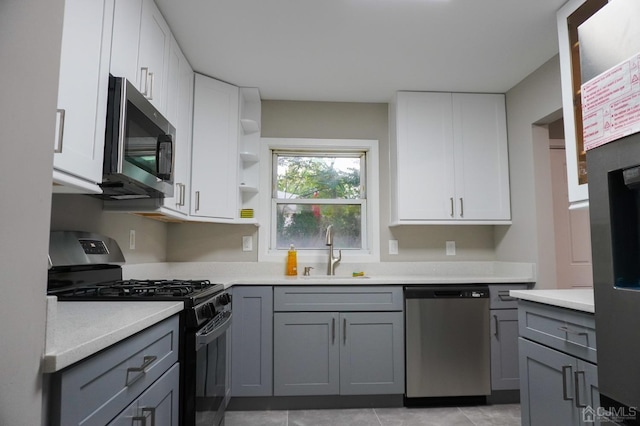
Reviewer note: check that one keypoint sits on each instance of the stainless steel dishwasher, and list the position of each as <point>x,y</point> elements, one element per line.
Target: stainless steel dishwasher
<point>447,341</point>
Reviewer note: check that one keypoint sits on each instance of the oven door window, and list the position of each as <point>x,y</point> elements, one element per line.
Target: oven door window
<point>211,362</point>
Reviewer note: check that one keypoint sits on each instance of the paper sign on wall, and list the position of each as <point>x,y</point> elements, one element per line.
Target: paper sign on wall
<point>611,104</point>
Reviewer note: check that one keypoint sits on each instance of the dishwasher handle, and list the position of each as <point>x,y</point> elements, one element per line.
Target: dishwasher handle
<point>447,292</point>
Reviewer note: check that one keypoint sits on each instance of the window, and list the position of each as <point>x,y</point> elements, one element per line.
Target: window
<point>313,184</point>
<point>313,191</point>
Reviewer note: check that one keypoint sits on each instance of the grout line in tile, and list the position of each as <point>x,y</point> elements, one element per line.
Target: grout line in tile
<point>376,414</point>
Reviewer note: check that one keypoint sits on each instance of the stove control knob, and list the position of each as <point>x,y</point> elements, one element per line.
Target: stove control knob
<point>209,310</point>
<point>224,299</point>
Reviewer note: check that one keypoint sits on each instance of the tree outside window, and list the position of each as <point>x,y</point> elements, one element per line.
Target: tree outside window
<point>315,190</point>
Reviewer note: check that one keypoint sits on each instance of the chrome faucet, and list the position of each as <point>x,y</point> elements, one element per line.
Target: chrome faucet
<point>333,261</point>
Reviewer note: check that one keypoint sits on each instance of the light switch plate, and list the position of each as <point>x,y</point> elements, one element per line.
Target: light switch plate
<point>393,246</point>
<point>451,248</point>
<point>247,243</point>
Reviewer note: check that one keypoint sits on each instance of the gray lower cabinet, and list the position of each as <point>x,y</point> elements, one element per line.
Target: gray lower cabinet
<point>505,373</point>
<point>559,386</point>
<point>139,375</point>
<point>252,341</point>
<point>334,352</point>
<point>158,405</point>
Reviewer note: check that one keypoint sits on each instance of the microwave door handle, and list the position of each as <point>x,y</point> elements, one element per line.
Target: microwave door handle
<point>121,125</point>
<point>164,157</point>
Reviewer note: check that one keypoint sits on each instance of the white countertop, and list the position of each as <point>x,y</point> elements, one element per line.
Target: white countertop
<point>76,330</point>
<point>385,273</point>
<point>578,299</point>
<point>375,280</point>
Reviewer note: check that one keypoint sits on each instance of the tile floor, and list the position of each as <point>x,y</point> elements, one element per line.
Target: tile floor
<point>488,415</point>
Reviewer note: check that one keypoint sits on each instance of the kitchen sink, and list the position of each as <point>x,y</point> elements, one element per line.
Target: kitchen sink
<point>331,277</point>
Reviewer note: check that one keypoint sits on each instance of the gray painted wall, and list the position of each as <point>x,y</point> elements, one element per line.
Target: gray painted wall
<point>533,103</point>
<point>333,120</point>
<point>30,35</point>
<point>84,213</point>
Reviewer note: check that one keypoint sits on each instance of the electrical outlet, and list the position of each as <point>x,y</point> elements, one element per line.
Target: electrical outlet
<point>132,239</point>
<point>393,246</point>
<point>451,248</point>
<point>247,243</point>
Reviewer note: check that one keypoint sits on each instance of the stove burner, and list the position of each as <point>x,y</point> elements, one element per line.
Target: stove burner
<point>141,288</point>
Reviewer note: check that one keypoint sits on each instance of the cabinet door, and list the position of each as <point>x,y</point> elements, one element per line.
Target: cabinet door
<point>180,97</point>
<point>588,397</point>
<point>371,353</point>
<point>425,174</point>
<point>481,157</point>
<point>505,374</point>
<point>252,341</point>
<point>82,90</point>
<point>153,57</point>
<point>547,394</point>
<point>126,39</point>
<point>214,164</point>
<point>159,404</point>
<point>306,353</point>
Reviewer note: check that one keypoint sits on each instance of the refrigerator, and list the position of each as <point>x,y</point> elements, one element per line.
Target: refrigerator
<point>609,59</point>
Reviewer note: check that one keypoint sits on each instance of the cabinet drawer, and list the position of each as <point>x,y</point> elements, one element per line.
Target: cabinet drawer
<point>569,331</point>
<point>348,298</point>
<point>97,389</point>
<point>500,298</point>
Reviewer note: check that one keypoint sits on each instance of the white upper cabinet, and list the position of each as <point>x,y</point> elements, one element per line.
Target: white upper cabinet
<point>214,157</point>
<point>141,49</point>
<point>153,59</point>
<point>82,95</point>
<point>125,43</point>
<point>180,111</point>
<point>449,159</point>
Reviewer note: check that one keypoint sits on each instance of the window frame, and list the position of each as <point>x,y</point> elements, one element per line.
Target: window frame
<point>370,204</point>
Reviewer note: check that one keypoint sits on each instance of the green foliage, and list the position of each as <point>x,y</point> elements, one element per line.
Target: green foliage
<point>317,177</point>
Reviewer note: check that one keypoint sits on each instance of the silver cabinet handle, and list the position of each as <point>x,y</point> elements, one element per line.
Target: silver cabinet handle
<point>183,195</point>
<point>333,331</point>
<point>344,330</point>
<point>504,296</point>
<point>146,361</point>
<point>145,81</point>
<point>197,200</point>
<point>576,377</point>
<point>565,393</point>
<point>147,412</point>
<point>181,189</point>
<point>451,201</point>
<point>57,145</point>
<point>461,208</point>
<point>151,86</point>
<point>496,323</point>
<point>571,331</point>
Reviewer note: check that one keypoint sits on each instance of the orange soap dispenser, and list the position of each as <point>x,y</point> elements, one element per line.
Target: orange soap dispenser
<point>292,261</point>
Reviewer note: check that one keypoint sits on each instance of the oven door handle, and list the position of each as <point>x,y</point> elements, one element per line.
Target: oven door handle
<point>206,338</point>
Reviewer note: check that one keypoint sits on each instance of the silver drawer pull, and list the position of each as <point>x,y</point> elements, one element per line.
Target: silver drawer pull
<point>147,412</point>
<point>576,377</point>
<point>504,296</point>
<point>497,324</point>
<point>565,395</point>
<point>147,361</point>
<point>57,146</point>
<point>568,330</point>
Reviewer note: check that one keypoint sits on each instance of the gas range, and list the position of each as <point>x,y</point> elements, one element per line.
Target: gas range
<point>87,267</point>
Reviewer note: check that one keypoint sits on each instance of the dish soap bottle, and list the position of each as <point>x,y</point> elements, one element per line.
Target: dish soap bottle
<point>292,261</point>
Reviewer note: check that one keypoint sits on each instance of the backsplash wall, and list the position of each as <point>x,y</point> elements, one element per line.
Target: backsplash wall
<point>84,213</point>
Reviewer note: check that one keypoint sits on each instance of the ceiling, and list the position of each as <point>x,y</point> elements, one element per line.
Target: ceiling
<point>364,50</point>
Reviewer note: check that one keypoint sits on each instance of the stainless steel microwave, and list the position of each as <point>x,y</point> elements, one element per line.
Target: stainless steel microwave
<point>138,146</point>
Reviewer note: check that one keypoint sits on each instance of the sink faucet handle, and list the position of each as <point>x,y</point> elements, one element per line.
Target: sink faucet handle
<point>307,270</point>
